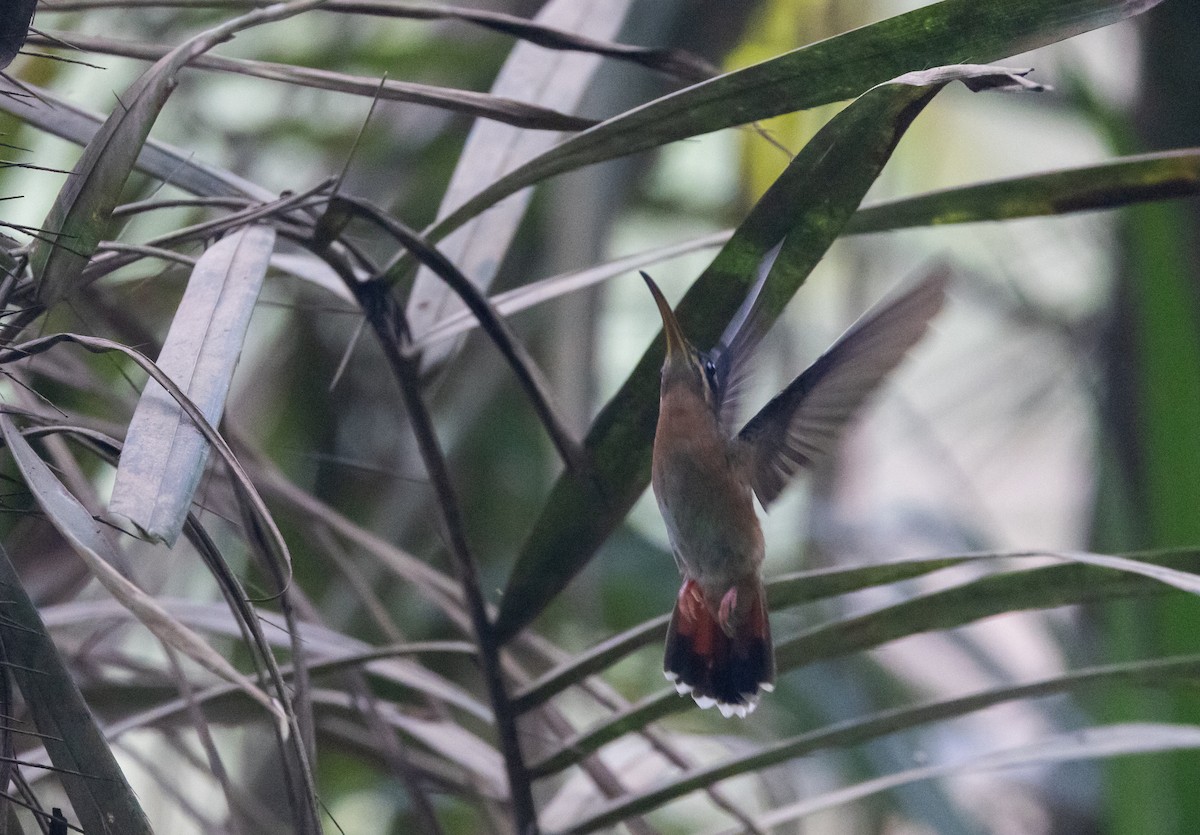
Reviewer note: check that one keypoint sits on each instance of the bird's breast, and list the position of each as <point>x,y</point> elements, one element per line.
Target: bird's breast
<point>705,501</point>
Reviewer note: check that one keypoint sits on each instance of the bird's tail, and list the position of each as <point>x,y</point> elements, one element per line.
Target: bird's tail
<point>716,666</point>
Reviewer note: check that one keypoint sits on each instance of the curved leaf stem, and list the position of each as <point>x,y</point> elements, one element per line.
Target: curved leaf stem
<point>490,321</point>
<point>387,319</point>
<point>519,114</point>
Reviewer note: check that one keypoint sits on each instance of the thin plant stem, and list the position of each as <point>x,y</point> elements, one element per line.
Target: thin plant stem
<point>492,323</point>
<point>388,321</point>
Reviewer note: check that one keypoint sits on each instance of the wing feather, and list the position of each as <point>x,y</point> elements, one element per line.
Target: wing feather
<point>803,422</point>
<point>731,356</point>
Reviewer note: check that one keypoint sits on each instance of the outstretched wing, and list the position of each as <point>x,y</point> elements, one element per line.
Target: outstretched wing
<point>802,423</point>
<point>731,356</point>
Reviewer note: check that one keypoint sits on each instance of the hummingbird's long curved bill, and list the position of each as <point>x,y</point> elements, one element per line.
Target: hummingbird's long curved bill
<point>676,344</point>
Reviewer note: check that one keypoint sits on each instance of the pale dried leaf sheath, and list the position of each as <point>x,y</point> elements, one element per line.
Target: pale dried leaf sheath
<point>165,453</point>
<point>551,79</point>
<point>89,540</point>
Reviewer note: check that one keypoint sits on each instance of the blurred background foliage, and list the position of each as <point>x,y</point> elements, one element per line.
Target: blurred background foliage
<point>1055,407</point>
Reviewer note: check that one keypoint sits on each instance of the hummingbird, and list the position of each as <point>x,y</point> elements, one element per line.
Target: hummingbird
<point>705,475</point>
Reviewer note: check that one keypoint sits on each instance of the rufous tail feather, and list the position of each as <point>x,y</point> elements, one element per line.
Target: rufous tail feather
<point>717,668</point>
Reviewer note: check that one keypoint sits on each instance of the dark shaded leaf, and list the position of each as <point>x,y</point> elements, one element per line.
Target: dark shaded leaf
<point>857,731</point>
<point>806,208</point>
<point>839,68</point>
<point>1120,182</point>
<point>1041,588</point>
<point>1110,184</point>
<point>671,61</point>
<point>95,784</point>
<point>807,586</point>
<point>1085,744</point>
<point>83,208</point>
<point>101,797</point>
<point>675,62</point>
<point>14,27</point>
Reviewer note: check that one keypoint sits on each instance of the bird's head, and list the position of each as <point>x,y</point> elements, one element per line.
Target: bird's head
<point>685,369</point>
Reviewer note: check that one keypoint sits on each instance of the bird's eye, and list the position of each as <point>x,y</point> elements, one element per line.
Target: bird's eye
<point>710,371</point>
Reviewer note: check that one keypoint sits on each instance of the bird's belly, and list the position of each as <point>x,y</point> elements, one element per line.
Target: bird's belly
<point>710,517</point>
